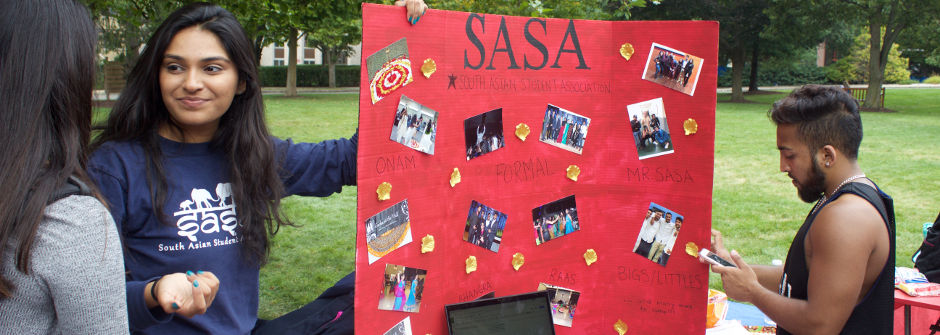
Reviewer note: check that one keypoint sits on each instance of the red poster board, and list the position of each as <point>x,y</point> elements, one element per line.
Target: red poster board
<point>613,191</point>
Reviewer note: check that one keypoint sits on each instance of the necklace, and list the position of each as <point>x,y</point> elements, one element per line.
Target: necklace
<point>846,181</point>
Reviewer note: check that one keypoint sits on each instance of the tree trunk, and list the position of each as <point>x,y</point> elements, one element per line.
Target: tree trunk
<point>291,64</point>
<point>737,70</point>
<point>876,72</point>
<point>755,54</point>
<point>258,47</point>
<point>331,62</point>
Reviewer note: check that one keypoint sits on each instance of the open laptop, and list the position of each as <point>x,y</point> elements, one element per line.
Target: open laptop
<point>527,313</point>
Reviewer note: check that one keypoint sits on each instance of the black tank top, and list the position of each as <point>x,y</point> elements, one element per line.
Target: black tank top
<point>875,313</point>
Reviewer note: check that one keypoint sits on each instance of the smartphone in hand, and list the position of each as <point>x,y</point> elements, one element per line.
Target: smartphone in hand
<point>712,258</point>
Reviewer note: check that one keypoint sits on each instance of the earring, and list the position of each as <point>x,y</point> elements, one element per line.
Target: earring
<point>827,164</point>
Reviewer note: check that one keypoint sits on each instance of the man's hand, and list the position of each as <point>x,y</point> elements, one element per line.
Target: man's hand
<point>739,283</point>
<point>416,9</point>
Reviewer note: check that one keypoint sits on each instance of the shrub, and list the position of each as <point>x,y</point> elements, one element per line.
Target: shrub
<point>310,75</point>
<point>934,79</point>
<point>854,67</point>
<point>773,74</point>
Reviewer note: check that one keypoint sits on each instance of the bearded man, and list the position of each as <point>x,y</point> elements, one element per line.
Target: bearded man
<point>839,273</point>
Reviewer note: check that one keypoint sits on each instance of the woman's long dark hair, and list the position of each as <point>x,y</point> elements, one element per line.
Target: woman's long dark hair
<point>47,73</point>
<point>242,133</point>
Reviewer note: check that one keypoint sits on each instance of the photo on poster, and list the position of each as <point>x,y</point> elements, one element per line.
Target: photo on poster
<point>401,328</point>
<point>415,125</point>
<point>388,230</point>
<point>389,69</point>
<point>403,288</point>
<point>555,219</point>
<point>483,133</point>
<point>658,234</point>
<point>673,68</point>
<point>650,129</point>
<point>564,129</point>
<point>484,226</point>
<point>564,303</point>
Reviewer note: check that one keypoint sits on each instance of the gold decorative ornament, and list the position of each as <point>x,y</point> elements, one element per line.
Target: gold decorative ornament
<point>522,130</point>
<point>428,68</point>
<point>620,327</point>
<point>690,126</point>
<point>471,264</point>
<point>427,244</point>
<point>454,177</point>
<point>517,260</point>
<point>384,191</point>
<point>590,256</point>
<point>691,249</point>
<point>573,172</point>
<point>626,50</point>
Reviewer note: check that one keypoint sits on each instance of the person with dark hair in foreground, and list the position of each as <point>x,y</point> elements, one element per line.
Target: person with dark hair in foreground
<point>839,273</point>
<point>61,269</point>
<point>194,179</point>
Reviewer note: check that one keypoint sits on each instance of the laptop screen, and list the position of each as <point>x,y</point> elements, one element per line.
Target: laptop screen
<point>527,313</point>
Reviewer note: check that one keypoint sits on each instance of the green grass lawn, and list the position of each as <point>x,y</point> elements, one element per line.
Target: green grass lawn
<point>754,205</point>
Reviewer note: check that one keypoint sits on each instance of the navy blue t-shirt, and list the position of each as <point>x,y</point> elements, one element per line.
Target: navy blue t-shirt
<point>201,212</point>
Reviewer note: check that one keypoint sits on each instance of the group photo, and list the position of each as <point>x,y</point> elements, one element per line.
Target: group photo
<point>484,226</point>
<point>403,288</point>
<point>658,234</point>
<point>564,129</point>
<point>415,125</point>
<point>672,68</point>
<point>555,219</point>
<point>563,302</point>
<point>483,133</point>
<point>650,129</point>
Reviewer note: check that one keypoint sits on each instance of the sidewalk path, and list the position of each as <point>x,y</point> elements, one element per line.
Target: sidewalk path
<point>790,88</point>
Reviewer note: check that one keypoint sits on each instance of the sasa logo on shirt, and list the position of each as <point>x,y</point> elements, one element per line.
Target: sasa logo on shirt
<point>206,213</point>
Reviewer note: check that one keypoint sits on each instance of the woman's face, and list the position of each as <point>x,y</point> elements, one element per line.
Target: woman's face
<point>198,82</point>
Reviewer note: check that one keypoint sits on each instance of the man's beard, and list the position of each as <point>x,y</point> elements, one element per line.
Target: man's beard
<point>814,188</point>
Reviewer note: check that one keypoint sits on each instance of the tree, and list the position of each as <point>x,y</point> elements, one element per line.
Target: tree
<point>921,44</point>
<point>334,34</point>
<point>125,25</point>
<point>886,20</point>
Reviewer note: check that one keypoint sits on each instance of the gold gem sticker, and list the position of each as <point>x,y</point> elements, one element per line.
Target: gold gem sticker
<point>620,327</point>
<point>691,249</point>
<point>590,256</point>
<point>626,50</point>
<point>471,264</point>
<point>427,244</point>
<point>573,172</point>
<point>522,130</point>
<point>690,126</point>
<point>517,260</point>
<point>428,68</point>
<point>384,191</point>
<point>454,177</point>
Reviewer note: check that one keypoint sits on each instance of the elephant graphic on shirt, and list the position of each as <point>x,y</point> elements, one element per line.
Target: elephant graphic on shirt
<point>210,220</point>
<point>224,191</point>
